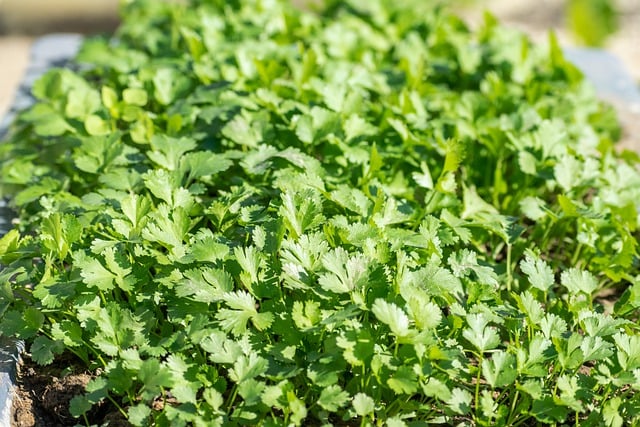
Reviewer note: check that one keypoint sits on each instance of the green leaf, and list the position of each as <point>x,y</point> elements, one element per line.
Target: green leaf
<point>576,281</point>
<point>248,367</point>
<point>80,405</point>
<point>547,411</point>
<point>243,309</point>
<point>203,164</point>
<point>241,131</point>
<point>135,96</point>
<point>403,381</point>
<point>433,387</point>
<point>595,348</point>
<point>460,401</point>
<point>244,213</point>
<point>344,273</point>
<point>96,126</point>
<point>352,199</point>
<point>297,407</point>
<point>392,316</point>
<point>396,422</point>
<point>333,398</point>
<point>611,414</point>
<point>47,121</point>
<point>425,314</point>
<point>43,350</point>
<point>22,324</point>
<point>93,273</point>
<point>465,261</point>
<point>9,243</point>
<point>527,162</point>
<point>168,84</point>
<point>363,404</point>
<point>139,414</point>
<point>161,184</point>
<point>423,179</point>
<point>302,211</point>
<point>538,272</point>
<point>500,369</point>
<point>569,393</point>
<point>221,349</point>
<point>567,172</point>
<point>154,377</point>
<point>135,208</point>
<point>479,334</point>
<point>592,21</point>
<point>67,332</point>
<point>553,325</point>
<point>532,208</point>
<point>251,391</point>
<point>355,126</point>
<point>531,307</point>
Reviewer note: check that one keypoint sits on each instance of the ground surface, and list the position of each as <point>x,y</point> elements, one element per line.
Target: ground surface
<point>42,400</point>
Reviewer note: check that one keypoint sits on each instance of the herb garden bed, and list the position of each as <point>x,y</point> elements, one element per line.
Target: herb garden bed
<point>246,220</point>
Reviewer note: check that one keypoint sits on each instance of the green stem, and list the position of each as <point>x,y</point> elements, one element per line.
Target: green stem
<point>232,397</point>
<point>118,407</point>
<point>509,273</point>
<point>576,254</point>
<point>497,178</point>
<point>477,394</point>
<point>520,421</point>
<point>545,236</point>
<point>513,407</point>
<point>93,350</point>
<point>102,298</point>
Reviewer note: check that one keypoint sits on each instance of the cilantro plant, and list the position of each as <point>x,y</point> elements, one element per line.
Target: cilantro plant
<point>240,213</point>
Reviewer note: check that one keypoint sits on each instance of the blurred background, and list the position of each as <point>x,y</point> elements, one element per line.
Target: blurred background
<point>610,24</point>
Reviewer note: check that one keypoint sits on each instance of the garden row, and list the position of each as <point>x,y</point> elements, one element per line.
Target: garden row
<point>237,212</point>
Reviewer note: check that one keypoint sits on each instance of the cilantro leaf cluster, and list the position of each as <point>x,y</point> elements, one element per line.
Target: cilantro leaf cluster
<point>241,213</point>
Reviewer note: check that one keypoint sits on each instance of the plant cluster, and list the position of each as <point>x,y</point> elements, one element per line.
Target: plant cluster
<point>240,213</point>
<point>592,21</point>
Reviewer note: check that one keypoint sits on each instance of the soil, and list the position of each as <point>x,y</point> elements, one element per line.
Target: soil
<point>43,395</point>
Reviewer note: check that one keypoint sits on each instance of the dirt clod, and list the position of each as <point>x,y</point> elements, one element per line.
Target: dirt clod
<point>44,393</point>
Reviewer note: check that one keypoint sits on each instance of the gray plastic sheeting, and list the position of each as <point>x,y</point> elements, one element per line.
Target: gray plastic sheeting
<point>607,73</point>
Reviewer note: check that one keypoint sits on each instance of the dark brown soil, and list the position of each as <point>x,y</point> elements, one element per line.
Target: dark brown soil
<point>43,395</point>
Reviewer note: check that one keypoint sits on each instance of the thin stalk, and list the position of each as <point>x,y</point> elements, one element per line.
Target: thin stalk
<point>477,393</point>
<point>497,177</point>
<point>509,273</point>
<point>520,421</point>
<point>118,407</point>
<point>102,298</point>
<point>93,350</point>
<point>576,254</point>
<point>232,397</point>
<point>513,407</point>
